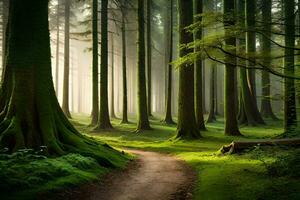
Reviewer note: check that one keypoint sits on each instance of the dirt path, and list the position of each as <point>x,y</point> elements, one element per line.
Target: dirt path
<point>153,176</point>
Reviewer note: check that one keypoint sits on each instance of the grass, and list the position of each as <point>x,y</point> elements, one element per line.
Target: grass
<point>263,173</point>
<point>244,176</point>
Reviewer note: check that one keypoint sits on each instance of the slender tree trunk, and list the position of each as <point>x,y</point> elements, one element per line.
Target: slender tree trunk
<point>149,57</point>
<point>290,116</point>
<point>266,108</point>
<point>124,70</point>
<point>95,67</point>
<point>198,9</point>
<point>187,126</point>
<point>57,46</point>
<point>112,105</point>
<point>251,115</point>
<point>65,104</point>
<point>231,124</point>
<point>212,96</point>
<point>142,112</point>
<point>5,7</point>
<point>168,113</point>
<point>103,120</point>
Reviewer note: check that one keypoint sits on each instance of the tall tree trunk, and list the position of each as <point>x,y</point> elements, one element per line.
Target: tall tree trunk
<point>103,120</point>
<point>65,104</point>
<point>290,116</point>
<point>95,67</point>
<point>212,96</point>
<point>149,57</point>
<point>187,126</point>
<point>124,70</point>
<point>231,124</point>
<point>251,113</point>
<point>30,113</point>
<point>266,108</point>
<point>57,46</point>
<point>198,9</point>
<point>168,109</point>
<point>112,105</point>
<point>142,112</point>
<point>5,7</point>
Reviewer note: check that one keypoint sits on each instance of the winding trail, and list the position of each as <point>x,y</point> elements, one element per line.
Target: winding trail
<point>153,176</point>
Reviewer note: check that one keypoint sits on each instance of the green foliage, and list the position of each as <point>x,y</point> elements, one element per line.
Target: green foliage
<point>29,173</point>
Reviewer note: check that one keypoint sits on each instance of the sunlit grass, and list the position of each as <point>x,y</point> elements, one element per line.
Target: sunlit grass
<point>219,177</point>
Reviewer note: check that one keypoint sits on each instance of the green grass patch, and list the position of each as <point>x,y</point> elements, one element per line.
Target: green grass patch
<point>244,176</point>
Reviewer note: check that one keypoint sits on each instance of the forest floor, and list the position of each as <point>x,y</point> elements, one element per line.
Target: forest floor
<point>260,173</point>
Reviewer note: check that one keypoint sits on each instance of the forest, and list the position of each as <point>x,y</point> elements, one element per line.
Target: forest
<point>150,99</point>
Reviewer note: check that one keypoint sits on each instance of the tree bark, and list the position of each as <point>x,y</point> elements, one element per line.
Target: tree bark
<point>124,70</point>
<point>247,77</point>
<point>142,112</point>
<point>168,113</point>
<point>149,57</point>
<point>5,7</point>
<point>95,67</point>
<point>112,105</point>
<point>198,9</point>
<point>290,116</point>
<point>266,107</point>
<point>187,126</point>
<point>103,119</point>
<point>239,146</point>
<point>57,46</point>
<point>231,124</point>
<point>30,113</point>
<point>212,96</point>
<point>66,81</point>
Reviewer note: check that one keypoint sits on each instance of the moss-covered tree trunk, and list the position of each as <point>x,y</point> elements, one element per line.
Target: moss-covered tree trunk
<point>168,109</point>
<point>231,124</point>
<point>95,67</point>
<point>66,81</point>
<point>266,107</point>
<point>112,103</point>
<point>187,126</point>
<point>30,113</point>
<point>290,116</point>
<point>198,9</point>
<point>149,57</point>
<point>142,110</point>
<point>103,120</point>
<point>124,70</point>
<point>212,95</point>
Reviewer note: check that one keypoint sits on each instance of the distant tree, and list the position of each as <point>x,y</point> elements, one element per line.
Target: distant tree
<point>187,126</point>
<point>65,104</point>
<point>95,90</point>
<point>198,9</point>
<point>149,56</point>
<point>112,105</point>
<point>169,31</point>
<point>104,120</point>
<point>142,110</point>
<point>212,95</point>
<point>266,107</point>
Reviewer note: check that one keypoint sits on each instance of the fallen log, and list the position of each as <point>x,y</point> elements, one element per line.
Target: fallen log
<point>239,146</point>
